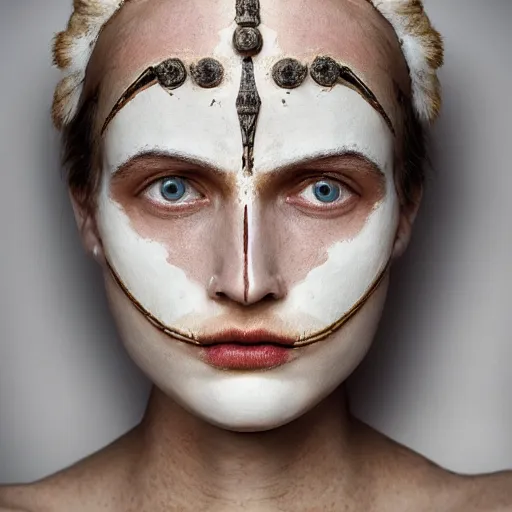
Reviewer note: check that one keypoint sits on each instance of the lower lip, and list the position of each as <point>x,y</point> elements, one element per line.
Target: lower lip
<point>246,357</point>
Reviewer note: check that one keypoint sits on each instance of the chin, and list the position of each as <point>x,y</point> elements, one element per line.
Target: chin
<point>246,401</point>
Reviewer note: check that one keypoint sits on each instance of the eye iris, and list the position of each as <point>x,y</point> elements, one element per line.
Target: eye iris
<point>173,189</point>
<point>326,192</point>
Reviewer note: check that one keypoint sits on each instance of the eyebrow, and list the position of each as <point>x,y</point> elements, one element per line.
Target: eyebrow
<point>332,156</point>
<point>164,158</point>
<point>327,161</point>
<point>329,158</point>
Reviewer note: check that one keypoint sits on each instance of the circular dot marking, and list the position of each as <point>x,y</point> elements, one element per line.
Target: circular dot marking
<point>247,40</point>
<point>325,71</point>
<point>289,73</point>
<point>207,73</point>
<point>171,73</point>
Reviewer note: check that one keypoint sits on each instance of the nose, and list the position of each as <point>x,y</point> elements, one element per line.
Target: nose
<point>248,261</point>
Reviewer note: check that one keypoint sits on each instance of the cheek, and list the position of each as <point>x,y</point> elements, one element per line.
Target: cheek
<point>148,271</point>
<point>188,240</point>
<point>305,240</point>
<point>347,268</point>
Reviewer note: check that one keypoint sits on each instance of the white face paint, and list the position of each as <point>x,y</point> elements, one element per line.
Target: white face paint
<point>293,126</point>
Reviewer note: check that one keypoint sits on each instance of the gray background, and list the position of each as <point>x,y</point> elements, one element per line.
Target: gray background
<point>438,378</point>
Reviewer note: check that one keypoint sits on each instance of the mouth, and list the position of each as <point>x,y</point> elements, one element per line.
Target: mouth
<point>247,350</point>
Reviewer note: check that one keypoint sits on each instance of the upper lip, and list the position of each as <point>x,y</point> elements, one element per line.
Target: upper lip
<point>248,337</point>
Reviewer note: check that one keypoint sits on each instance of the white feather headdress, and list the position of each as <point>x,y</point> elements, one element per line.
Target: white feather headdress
<point>421,45</point>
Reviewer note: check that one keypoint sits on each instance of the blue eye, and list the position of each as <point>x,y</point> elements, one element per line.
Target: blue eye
<point>173,189</point>
<point>326,191</point>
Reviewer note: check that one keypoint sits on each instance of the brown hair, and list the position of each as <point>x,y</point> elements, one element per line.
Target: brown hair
<point>80,157</point>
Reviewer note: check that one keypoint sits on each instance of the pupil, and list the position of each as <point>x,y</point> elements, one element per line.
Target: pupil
<point>173,189</point>
<point>326,192</point>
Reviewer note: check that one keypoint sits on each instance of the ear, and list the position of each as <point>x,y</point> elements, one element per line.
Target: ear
<point>87,229</point>
<point>408,214</point>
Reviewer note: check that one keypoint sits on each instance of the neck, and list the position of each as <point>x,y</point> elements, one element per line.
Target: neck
<point>194,466</point>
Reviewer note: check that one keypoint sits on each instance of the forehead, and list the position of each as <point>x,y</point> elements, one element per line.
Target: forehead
<point>149,31</point>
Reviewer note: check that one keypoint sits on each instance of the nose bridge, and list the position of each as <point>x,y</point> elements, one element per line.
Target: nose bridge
<point>261,258</point>
<point>247,269</point>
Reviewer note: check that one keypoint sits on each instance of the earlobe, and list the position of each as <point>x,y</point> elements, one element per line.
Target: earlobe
<point>408,215</point>
<point>87,229</point>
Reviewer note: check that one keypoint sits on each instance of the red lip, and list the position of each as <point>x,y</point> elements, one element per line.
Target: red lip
<point>232,356</point>
<point>256,349</point>
<point>246,337</point>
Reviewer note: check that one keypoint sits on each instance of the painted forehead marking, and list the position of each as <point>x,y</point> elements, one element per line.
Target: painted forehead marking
<point>288,73</point>
<point>248,101</point>
<point>326,72</point>
<point>170,74</point>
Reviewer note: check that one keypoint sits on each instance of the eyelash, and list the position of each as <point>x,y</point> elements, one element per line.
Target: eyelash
<point>175,185</point>
<point>323,186</point>
<point>337,193</point>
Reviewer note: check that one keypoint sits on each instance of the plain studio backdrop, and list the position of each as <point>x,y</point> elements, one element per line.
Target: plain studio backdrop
<point>438,378</point>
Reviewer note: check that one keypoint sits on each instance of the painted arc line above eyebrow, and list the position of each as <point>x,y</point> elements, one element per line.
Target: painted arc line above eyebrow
<point>145,80</point>
<point>347,75</point>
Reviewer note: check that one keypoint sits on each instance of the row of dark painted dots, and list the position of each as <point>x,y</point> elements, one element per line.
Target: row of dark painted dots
<point>287,73</point>
<point>206,73</point>
<point>290,73</point>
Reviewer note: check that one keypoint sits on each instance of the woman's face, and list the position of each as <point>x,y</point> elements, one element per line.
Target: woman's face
<point>248,295</point>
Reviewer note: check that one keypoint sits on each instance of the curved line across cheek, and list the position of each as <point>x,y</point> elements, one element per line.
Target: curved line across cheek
<point>302,341</point>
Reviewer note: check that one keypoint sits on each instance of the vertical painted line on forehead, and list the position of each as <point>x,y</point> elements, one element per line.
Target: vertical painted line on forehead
<point>248,101</point>
<point>248,105</point>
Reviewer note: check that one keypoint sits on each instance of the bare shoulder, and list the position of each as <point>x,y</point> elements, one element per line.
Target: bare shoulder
<point>53,494</point>
<point>409,481</point>
<point>12,499</point>
<point>491,492</point>
<point>97,482</point>
<point>446,491</point>
<point>439,489</point>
